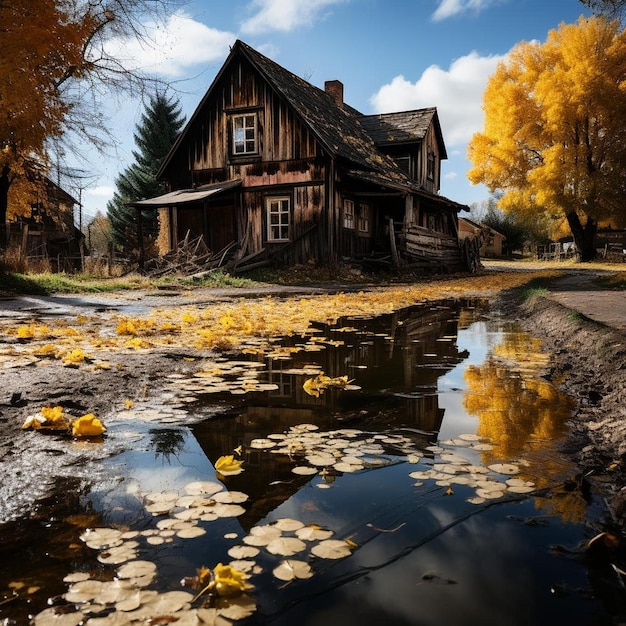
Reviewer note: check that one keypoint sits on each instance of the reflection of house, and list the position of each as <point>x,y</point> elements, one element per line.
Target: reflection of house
<point>49,234</point>
<point>396,360</point>
<point>289,173</point>
<point>491,241</point>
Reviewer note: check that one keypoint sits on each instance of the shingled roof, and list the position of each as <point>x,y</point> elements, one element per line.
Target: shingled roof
<point>336,126</point>
<point>344,132</point>
<point>405,127</point>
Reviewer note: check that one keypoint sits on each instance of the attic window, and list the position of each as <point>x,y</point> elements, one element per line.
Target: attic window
<point>430,166</point>
<point>244,134</point>
<point>404,162</point>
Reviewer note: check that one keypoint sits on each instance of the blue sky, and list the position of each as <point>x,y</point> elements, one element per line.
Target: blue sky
<point>391,55</point>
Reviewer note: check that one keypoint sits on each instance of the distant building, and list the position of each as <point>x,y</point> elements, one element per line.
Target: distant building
<point>49,234</point>
<point>492,243</point>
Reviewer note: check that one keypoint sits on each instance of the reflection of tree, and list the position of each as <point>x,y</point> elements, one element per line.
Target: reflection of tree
<point>513,405</point>
<point>567,501</point>
<point>166,442</point>
<point>523,349</point>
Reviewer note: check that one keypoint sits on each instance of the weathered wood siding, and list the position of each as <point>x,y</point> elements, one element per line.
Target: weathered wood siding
<point>430,145</point>
<point>289,162</point>
<point>282,135</point>
<point>423,244</point>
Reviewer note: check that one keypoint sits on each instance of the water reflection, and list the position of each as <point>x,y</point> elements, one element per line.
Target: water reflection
<point>419,546</point>
<point>167,443</point>
<point>396,360</point>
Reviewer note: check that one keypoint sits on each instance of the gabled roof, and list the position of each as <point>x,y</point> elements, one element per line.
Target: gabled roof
<point>405,127</point>
<point>336,127</point>
<point>480,225</point>
<point>58,193</point>
<point>341,130</point>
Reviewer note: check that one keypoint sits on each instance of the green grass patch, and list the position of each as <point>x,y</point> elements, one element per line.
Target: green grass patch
<point>217,279</point>
<point>532,292</point>
<point>575,316</point>
<point>12,284</point>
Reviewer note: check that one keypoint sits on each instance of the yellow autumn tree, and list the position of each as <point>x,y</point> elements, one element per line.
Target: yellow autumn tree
<point>54,65</point>
<point>554,138</point>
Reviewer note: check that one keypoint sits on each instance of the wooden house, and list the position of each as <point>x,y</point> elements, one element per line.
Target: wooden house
<point>48,234</point>
<point>276,170</point>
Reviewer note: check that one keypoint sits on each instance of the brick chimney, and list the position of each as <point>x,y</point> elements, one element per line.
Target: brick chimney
<point>334,88</point>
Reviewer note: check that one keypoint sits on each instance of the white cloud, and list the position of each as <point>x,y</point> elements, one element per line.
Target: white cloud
<point>284,15</point>
<point>457,93</point>
<point>449,8</point>
<point>174,46</point>
<point>103,190</point>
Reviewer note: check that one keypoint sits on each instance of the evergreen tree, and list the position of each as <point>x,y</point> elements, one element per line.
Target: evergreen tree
<point>154,136</point>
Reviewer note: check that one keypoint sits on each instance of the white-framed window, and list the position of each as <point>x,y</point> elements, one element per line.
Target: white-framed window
<point>278,213</point>
<point>244,134</point>
<point>348,214</point>
<point>364,218</point>
<point>276,376</point>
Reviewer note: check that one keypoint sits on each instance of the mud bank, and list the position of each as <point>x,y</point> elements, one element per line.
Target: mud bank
<point>589,363</point>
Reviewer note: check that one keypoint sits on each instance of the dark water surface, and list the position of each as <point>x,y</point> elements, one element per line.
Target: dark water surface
<point>433,391</point>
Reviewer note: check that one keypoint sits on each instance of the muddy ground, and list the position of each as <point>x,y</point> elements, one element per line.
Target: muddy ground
<point>589,362</point>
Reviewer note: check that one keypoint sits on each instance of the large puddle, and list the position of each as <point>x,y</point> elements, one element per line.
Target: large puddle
<point>399,470</point>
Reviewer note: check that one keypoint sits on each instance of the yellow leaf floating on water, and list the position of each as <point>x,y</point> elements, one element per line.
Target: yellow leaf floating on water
<point>316,386</point>
<point>228,465</point>
<point>229,580</point>
<point>87,426</point>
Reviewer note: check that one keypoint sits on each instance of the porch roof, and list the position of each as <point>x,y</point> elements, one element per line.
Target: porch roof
<point>185,196</point>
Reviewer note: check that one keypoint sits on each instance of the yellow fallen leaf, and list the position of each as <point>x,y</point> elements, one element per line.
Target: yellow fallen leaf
<point>46,350</point>
<point>74,358</point>
<point>26,332</point>
<point>228,580</point>
<point>228,466</point>
<point>52,413</point>
<point>317,385</point>
<point>33,421</point>
<point>51,418</point>
<point>87,426</point>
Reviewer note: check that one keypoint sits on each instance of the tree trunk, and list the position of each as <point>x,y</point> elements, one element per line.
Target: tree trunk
<point>584,236</point>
